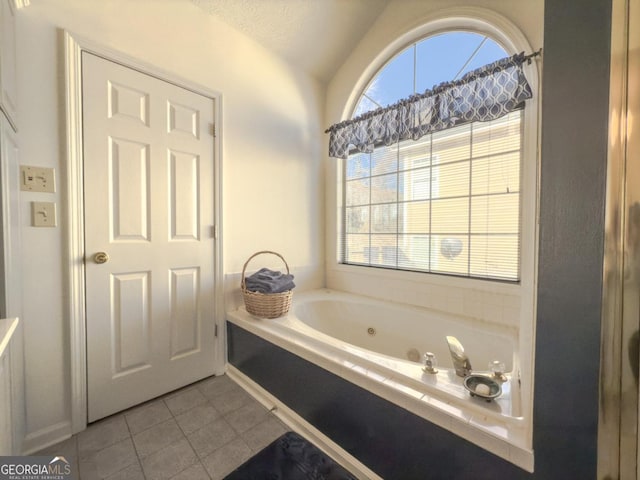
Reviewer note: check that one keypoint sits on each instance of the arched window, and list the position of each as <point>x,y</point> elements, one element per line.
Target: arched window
<point>449,202</point>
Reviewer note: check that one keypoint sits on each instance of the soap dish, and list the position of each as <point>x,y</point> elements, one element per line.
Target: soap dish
<point>472,382</point>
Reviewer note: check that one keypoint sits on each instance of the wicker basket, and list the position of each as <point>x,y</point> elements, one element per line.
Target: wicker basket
<point>266,305</point>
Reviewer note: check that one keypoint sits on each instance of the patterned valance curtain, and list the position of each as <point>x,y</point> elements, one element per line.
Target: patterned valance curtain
<point>484,94</point>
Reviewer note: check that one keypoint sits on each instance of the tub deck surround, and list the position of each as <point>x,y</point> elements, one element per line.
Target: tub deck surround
<point>439,398</point>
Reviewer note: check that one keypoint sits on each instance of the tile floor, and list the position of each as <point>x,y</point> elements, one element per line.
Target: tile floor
<point>203,431</point>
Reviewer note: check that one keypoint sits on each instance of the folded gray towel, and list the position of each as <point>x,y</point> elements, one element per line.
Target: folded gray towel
<point>269,281</point>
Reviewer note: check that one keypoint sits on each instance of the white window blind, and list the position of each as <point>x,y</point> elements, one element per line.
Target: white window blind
<point>447,203</point>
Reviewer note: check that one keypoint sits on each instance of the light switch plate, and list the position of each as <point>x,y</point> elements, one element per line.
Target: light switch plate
<point>43,214</point>
<point>37,179</point>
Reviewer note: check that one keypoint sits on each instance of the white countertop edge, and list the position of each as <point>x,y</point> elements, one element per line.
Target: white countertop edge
<point>463,426</point>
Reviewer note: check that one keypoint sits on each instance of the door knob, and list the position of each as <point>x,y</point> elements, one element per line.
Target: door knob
<point>101,257</point>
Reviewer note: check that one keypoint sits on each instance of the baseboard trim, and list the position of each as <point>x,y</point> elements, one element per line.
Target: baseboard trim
<point>36,441</point>
<point>301,426</point>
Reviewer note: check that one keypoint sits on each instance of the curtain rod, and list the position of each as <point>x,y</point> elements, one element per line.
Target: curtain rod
<point>532,55</point>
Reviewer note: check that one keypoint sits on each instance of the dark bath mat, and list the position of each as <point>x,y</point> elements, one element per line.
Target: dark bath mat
<point>290,457</point>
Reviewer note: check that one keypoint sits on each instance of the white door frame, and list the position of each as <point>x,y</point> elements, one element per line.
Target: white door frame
<point>74,46</point>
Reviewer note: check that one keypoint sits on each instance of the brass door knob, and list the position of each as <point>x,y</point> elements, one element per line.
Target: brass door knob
<point>101,257</point>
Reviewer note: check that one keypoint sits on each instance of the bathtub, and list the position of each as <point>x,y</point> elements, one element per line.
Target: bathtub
<point>379,346</point>
<point>400,332</point>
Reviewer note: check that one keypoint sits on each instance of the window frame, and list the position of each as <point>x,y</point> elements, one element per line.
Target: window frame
<point>507,35</point>
<point>432,167</point>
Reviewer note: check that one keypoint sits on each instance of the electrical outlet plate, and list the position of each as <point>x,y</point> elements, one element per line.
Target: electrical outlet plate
<point>43,214</point>
<point>37,179</point>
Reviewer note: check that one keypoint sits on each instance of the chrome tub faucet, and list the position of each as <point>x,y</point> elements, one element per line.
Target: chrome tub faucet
<point>461,362</point>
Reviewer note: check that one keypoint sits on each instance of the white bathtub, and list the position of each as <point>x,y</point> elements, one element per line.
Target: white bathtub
<point>371,343</point>
<point>402,332</point>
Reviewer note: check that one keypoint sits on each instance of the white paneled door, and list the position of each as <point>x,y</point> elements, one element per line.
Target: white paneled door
<point>149,235</point>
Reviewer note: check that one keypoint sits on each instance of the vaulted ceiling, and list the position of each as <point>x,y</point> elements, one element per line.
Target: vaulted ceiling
<point>316,35</point>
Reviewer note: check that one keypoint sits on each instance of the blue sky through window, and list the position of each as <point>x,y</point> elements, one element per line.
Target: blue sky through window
<point>427,63</point>
<point>422,66</point>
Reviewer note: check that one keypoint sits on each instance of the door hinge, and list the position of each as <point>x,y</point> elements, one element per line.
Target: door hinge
<point>215,332</point>
<point>213,129</point>
<point>215,232</point>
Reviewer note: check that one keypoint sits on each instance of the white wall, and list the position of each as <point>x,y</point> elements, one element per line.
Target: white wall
<point>273,192</point>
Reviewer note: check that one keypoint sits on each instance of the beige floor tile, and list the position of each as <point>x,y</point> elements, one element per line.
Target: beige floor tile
<point>147,416</point>
<point>263,433</point>
<point>184,400</point>
<point>215,386</point>
<point>231,400</point>
<point>194,472</point>
<point>157,437</point>
<point>211,437</point>
<point>227,458</point>
<point>223,425</point>
<point>88,470</point>
<point>101,434</point>
<point>115,458</point>
<point>169,461</point>
<point>247,416</point>
<point>132,472</point>
<point>197,417</point>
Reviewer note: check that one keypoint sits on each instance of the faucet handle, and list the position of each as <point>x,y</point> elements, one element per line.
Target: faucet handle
<point>497,369</point>
<point>430,363</point>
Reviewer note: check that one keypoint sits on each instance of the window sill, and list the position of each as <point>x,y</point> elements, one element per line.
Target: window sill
<point>492,286</point>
